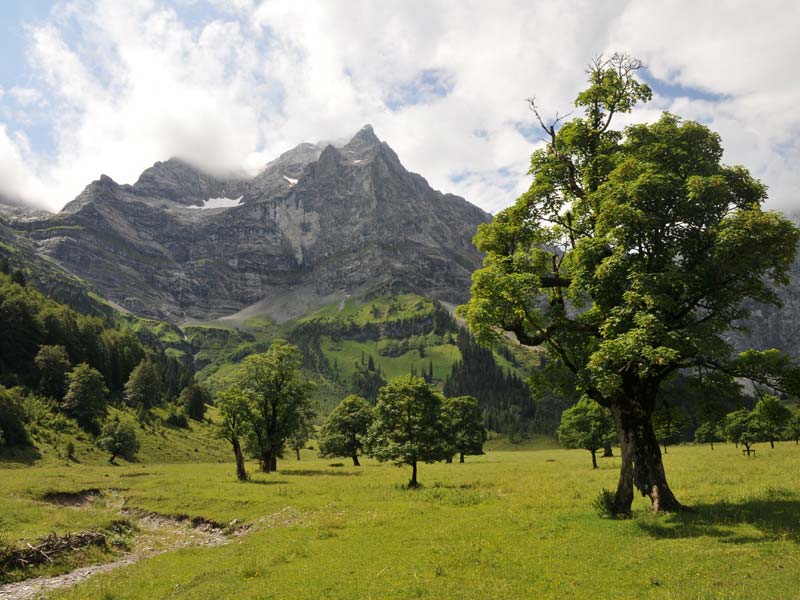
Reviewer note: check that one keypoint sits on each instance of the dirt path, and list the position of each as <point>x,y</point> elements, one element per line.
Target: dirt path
<point>157,534</point>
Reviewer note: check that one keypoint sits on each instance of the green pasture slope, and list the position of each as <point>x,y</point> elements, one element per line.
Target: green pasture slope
<point>517,522</point>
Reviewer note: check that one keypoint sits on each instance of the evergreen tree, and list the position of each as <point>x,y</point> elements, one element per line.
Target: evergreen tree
<point>504,399</point>
<point>367,380</point>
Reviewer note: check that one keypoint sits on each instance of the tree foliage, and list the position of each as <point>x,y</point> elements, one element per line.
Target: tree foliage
<point>774,417</point>
<point>629,257</point>
<point>234,406</point>
<point>86,395</point>
<point>194,398</point>
<point>744,427</point>
<point>12,418</point>
<point>367,379</point>
<point>504,399</point>
<point>118,437</point>
<point>144,388</point>
<point>463,426</point>
<point>587,425</point>
<point>279,396</point>
<point>52,363</point>
<point>708,432</point>
<point>408,425</point>
<point>344,430</point>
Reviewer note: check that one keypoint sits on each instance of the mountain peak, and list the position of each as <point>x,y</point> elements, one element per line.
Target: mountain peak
<point>364,138</point>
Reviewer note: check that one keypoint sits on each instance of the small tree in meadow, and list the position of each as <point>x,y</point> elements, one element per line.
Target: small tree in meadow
<point>279,396</point>
<point>744,427</point>
<point>793,429</point>
<point>707,433</point>
<point>408,426</point>
<point>299,438</point>
<point>774,417</point>
<point>586,425</point>
<point>85,399</point>
<point>234,410</point>
<point>463,424</point>
<point>344,431</point>
<point>667,423</point>
<point>118,437</point>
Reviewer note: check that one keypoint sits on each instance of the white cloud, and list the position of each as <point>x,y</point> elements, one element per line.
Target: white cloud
<point>443,82</point>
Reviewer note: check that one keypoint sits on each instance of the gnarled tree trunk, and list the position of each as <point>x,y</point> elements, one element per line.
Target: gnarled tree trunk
<point>355,460</point>
<point>268,461</point>
<point>642,467</point>
<point>241,474</point>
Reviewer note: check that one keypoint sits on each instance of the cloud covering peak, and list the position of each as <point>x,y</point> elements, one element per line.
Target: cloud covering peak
<point>228,85</point>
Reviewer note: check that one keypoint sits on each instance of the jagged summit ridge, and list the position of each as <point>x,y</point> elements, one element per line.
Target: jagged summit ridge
<point>319,220</point>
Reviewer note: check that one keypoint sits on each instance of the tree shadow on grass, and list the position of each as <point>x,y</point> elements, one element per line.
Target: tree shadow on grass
<point>775,514</point>
<point>266,481</point>
<point>19,456</point>
<point>321,472</point>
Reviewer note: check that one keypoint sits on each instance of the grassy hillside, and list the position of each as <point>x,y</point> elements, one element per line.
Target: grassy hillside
<point>51,434</point>
<point>401,333</point>
<point>507,524</point>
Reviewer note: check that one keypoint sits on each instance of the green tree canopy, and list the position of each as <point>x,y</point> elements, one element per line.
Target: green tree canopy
<point>744,427</point>
<point>587,425</point>
<point>144,387</point>
<point>194,398</point>
<point>86,395</point>
<point>408,425</point>
<point>118,437</point>
<point>234,406</point>
<point>13,418</point>
<point>629,257</point>
<point>668,421</point>
<point>280,397</point>
<point>345,428</point>
<point>774,417</point>
<point>708,432</point>
<point>463,425</point>
<point>793,428</point>
<point>52,362</point>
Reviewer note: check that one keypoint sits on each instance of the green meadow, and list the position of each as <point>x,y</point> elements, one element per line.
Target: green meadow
<point>517,522</point>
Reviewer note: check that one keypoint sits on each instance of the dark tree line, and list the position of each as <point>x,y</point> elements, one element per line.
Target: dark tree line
<point>505,400</point>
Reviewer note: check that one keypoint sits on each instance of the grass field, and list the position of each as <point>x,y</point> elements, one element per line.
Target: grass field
<point>509,524</point>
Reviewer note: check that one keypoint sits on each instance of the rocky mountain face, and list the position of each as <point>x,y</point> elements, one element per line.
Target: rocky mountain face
<point>316,225</point>
<point>772,326</point>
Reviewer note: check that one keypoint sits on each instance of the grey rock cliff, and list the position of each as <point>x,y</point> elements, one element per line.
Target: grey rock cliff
<point>317,222</point>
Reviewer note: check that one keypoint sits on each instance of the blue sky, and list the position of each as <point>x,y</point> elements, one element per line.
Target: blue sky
<point>103,86</point>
